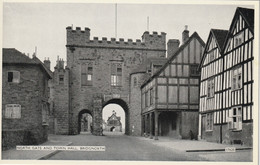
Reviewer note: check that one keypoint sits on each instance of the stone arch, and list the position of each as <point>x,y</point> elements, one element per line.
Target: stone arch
<point>80,115</point>
<point>124,105</point>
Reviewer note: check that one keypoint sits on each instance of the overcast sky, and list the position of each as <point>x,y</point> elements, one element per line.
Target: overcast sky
<point>26,25</point>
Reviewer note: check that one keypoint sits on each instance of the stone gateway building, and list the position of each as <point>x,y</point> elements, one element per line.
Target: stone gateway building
<point>97,74</point>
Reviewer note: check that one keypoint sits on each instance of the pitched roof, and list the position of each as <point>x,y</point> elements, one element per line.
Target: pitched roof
<point>114,115</point>
<point>194,35</point>
<point>13,56</point>
<point>147,65</point>
<point>248,15</point>
<point>220,36</point>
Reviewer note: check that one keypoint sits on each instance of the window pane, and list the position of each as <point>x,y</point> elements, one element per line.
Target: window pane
<point>89,77</point>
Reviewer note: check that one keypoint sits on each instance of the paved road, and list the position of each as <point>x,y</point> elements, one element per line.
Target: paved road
<point>119,147</point>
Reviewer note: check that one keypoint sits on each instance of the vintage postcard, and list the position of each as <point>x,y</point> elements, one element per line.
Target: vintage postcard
<point>144,82</point>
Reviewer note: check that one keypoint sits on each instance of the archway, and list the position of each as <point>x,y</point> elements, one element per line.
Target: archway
<point>120,109</point>
<point>85,121</point>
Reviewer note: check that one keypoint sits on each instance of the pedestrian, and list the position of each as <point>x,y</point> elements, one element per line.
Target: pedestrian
<point>101,130</point>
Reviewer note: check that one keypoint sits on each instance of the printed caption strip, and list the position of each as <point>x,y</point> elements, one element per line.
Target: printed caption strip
<point>62,148</point>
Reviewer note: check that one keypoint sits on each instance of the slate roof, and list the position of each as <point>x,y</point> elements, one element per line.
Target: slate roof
<point>13,56</point>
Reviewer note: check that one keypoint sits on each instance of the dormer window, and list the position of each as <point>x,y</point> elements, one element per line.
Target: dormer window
<point>14,76</point>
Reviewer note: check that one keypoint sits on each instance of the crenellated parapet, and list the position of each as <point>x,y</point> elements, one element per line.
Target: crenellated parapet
<point>81,38</point>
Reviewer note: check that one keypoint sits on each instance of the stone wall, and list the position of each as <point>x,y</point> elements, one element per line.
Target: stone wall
<point>60,101</point>
<point>101,54</point>
<point>135,103</point>
<point>31,94</point>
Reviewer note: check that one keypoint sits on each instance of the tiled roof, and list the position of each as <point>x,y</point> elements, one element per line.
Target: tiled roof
<point>220,36</point>
<point>13,56</point>
<point>248,15</point>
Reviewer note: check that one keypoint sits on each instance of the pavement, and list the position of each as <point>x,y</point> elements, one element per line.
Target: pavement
<point>122,147</point>
<point>208,151</point>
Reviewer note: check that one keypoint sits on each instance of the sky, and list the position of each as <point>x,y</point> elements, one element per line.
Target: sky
<point>43,25</point>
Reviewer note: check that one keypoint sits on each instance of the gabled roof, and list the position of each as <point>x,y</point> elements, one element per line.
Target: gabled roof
<point>194,35</point>
<point>220,36</point>
<point>114,115</point>
<point>13,56</point>
<point>247,15</point>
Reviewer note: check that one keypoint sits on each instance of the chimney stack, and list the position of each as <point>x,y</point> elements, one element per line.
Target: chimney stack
<point>47,63</point>
<point>185,34</point>
<point>172,47</point>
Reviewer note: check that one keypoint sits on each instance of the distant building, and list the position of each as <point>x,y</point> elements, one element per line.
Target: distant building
<point>226,90</point>
<point>114,123</point>
<point>25,104</point>
<point>170,97</point>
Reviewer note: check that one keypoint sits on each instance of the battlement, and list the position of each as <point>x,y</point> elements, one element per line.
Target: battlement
<point>113,42</point>
<point>80,37</point>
